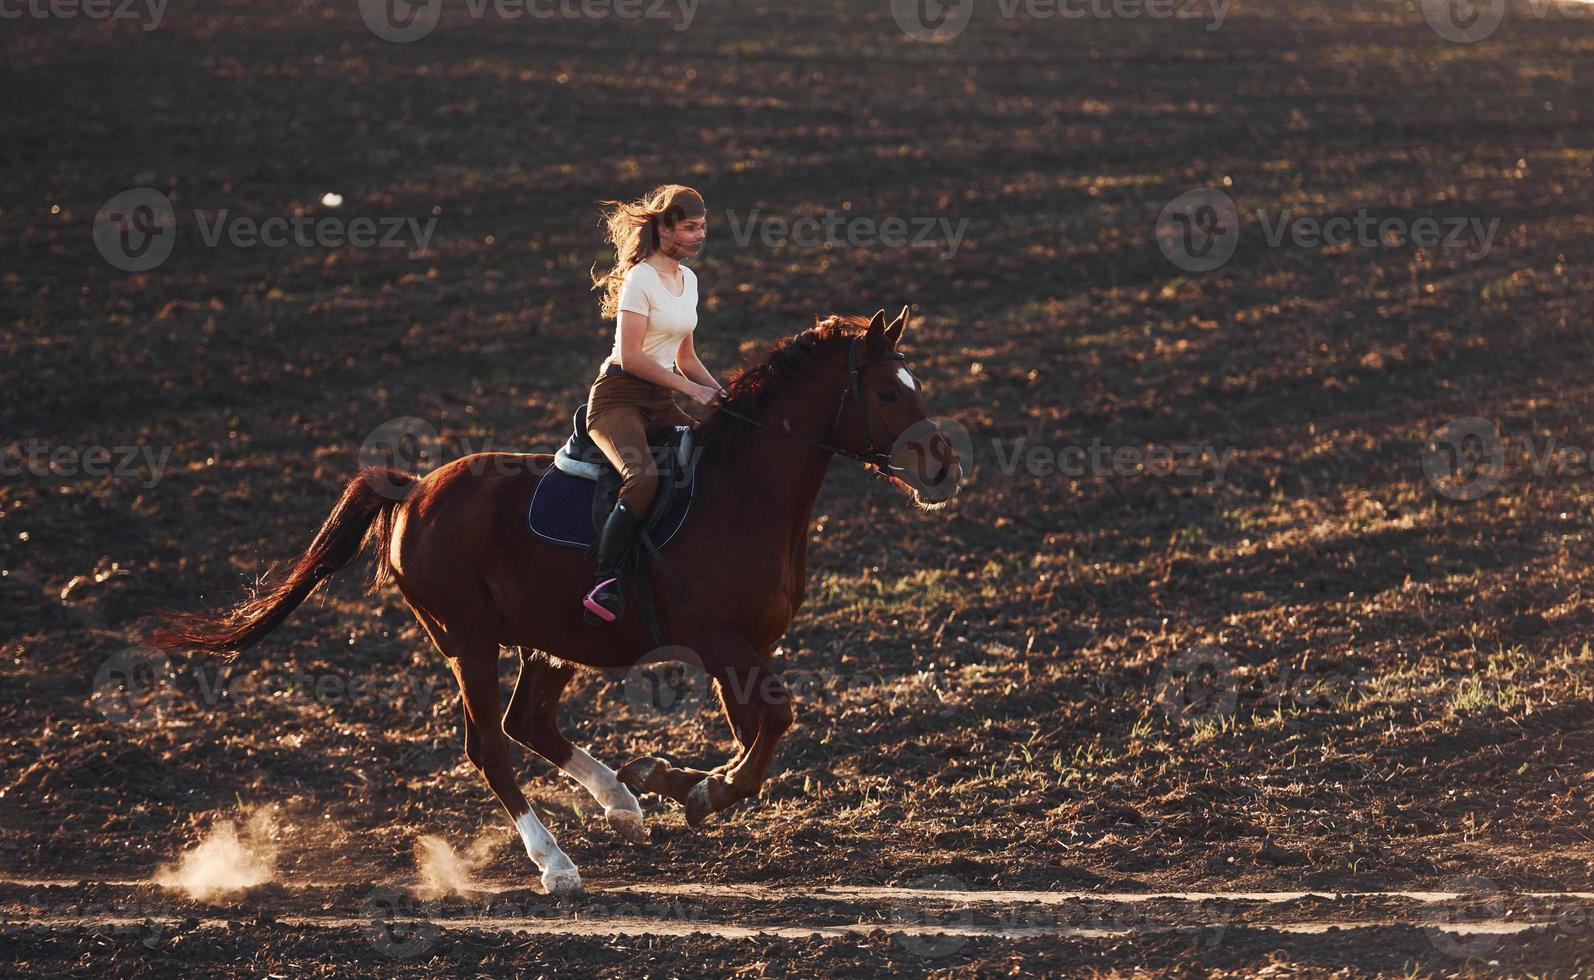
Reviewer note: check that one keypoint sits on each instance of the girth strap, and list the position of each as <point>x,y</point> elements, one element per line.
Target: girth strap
<point>642,591</point>
<point>664,569</point>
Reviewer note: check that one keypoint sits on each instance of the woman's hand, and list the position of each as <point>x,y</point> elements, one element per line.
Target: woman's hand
<point>703,394</point>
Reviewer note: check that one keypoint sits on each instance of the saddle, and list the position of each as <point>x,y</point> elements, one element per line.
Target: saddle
<point>671,446</point>
<point>572,502</point>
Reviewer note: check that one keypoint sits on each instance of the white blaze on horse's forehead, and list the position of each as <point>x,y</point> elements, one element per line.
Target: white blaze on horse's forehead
<point>906,379</point>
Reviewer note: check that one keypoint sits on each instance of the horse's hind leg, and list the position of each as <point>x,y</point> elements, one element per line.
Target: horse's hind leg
<point>533,721</point>
<point>655,775</point>
<point>475,663</point>
<point>757,706</point>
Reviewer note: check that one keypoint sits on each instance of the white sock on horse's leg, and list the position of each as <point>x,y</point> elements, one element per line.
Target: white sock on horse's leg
<point>559,875</point>
<point>620,806</point>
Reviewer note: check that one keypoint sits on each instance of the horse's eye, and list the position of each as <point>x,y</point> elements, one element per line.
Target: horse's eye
<point>888,395</point>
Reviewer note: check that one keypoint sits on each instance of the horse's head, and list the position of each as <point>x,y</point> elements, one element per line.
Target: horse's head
<point>883,415</point>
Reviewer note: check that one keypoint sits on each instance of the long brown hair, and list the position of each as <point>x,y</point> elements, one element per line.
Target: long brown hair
<point>633,228</point>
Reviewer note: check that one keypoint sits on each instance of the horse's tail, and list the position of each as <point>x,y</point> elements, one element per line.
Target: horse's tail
<point>364,512</point>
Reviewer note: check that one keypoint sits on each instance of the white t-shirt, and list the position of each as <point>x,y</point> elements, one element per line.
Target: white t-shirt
<point>670,317</point>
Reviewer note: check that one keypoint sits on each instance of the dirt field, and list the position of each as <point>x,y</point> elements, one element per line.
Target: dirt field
<point>1090,719</point>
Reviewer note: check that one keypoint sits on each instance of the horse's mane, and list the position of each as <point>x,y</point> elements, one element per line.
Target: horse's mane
<point>722,435</point>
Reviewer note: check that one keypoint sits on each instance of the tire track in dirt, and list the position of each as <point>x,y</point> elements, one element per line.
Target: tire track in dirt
<point>634,926</point>
<point>391,913</point>
<point>887,892</point>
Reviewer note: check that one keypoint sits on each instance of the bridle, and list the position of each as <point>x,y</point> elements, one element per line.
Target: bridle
<point>878,458</point>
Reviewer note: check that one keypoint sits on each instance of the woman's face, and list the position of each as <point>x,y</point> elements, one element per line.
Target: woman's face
<point>685,240</point>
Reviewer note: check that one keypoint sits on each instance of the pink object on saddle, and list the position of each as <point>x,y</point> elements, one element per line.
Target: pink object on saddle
<point>592,604</point>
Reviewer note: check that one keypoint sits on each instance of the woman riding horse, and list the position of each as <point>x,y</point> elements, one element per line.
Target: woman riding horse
<point>654,300</point>
<point>456,545</point>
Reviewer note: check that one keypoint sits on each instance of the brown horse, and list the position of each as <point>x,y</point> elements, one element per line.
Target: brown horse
<point>456,544</point>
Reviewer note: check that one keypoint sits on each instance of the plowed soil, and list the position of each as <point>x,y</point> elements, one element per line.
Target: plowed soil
<point>1305,669</point>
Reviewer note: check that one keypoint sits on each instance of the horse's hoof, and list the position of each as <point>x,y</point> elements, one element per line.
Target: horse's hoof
<point>562,883</point>
<point>698,805</point>
<point>627,823</point>
<point>637,772</point>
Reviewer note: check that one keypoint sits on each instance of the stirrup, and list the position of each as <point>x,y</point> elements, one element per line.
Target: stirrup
<point>596,612</point>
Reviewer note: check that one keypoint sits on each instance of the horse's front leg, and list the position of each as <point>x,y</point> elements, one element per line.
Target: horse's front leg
<point>757,704</point>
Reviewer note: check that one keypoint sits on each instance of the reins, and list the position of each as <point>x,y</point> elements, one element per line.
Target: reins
<point>872,456</point>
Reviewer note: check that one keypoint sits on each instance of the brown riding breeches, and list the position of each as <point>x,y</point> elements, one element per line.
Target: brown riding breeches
<point>619,407</point>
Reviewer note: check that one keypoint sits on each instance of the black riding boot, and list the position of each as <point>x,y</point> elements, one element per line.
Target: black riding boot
<point>606,602</point>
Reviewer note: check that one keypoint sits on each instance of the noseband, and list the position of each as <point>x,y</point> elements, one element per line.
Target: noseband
<point>878,458</point>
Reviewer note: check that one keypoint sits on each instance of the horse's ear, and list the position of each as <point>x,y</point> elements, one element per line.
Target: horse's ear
<point>877,327</point>
<point>894,332</point>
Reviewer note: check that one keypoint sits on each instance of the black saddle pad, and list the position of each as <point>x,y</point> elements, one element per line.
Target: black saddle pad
<point>561,511</point>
